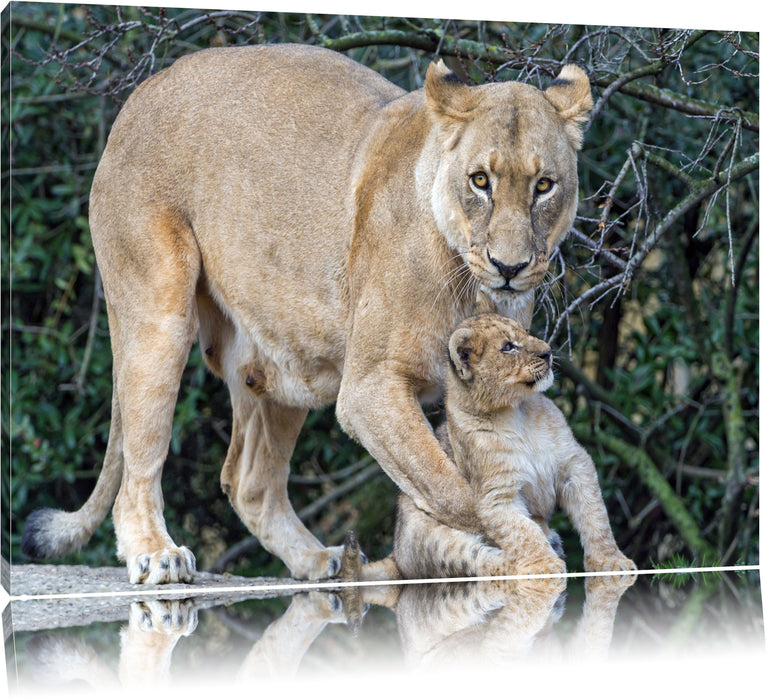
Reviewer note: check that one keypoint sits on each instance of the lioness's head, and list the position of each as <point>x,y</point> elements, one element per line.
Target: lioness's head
<point>497,363</point>
<point>505,192</point>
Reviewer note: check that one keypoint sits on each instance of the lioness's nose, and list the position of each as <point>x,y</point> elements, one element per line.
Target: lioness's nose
<point>509,271</point>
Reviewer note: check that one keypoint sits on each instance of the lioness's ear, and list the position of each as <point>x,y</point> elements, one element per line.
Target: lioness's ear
<point>460,347</point>
<point>447,95</point>
<point>570,94</point>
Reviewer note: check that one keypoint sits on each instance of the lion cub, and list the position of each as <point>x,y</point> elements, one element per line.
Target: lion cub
<point>516,449</point>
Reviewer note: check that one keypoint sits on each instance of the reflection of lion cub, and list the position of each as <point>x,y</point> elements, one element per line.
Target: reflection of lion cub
<point>517,451</point>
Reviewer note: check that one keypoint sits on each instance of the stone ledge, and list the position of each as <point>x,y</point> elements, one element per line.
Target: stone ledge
<point>104,595</point>
<point>51,579</point>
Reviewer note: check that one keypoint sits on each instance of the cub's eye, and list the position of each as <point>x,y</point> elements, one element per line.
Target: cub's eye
<point>480,180</point>
<point>544,184</point>
<point>509,346</point>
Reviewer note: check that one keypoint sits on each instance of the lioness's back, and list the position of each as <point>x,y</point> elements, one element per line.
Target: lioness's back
<point>245,149</point>
<point>242,119</point>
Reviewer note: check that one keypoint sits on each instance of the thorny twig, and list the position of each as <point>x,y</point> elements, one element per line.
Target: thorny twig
<point>621,280</point>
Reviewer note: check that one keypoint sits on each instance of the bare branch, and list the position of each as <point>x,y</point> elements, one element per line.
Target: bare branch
<point>702,191</point>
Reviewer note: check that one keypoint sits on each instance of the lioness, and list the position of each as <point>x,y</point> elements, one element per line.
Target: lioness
<point>326,232</point>
<point>515,448</point>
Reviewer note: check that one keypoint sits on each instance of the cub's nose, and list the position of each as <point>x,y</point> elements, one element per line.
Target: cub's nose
<point>547,357</point>
<point>509,271</point>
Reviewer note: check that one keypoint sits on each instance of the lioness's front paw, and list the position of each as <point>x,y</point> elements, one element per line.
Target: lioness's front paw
<point>321,564</point>
<point>171,565</point>
<point>170,617</point>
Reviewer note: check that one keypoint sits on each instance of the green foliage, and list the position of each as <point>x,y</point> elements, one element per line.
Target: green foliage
<point>640,299</point>
<point>685,574</point>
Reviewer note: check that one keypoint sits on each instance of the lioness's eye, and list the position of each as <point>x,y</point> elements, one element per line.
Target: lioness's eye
<point>480,180</point>
<point>543,185</point>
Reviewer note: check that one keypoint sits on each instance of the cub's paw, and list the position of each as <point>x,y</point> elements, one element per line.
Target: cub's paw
<point>540,589</point>
<point>170,617</point>
<point>543,565</point>
<point>492,561</point>
<point>614,561</point>
<point>609,561</point>
<point>171,565</point>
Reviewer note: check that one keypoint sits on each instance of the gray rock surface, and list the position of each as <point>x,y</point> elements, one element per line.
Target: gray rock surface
<point>49,596</point>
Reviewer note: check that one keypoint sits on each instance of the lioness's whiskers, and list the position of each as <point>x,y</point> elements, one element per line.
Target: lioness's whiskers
<point>451,277</point>
<point>468,288</point>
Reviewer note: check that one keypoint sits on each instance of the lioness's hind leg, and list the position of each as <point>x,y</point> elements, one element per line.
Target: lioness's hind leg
<point>150,266</point>
<point>255,477</point>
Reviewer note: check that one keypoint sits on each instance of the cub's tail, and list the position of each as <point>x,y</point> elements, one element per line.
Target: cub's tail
<point>49,532</point>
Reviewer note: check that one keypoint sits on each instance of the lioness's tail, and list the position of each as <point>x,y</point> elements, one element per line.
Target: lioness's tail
<point>49,532</point>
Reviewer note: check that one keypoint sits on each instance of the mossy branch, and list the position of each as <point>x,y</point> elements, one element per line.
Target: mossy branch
<point>431,40</point>
<point>676,101</point>
<point>729,376</point>
<point>436,41</point>
<point>651,477</point>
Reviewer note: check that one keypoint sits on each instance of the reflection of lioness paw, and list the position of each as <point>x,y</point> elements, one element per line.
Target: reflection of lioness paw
<point>173,565</point>
<point>319,606</point>
<point>165,616</point>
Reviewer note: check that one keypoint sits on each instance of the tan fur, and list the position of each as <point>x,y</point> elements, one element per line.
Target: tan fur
<point>321,228</point>
<point>516,449</point>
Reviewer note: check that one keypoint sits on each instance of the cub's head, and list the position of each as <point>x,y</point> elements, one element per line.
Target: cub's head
<point>505,188</point>
<point>496,363</point>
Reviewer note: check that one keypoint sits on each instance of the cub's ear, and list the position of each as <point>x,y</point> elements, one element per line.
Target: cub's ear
<point>570,94</point>
<point>447,95</point>
<point>460,347</point>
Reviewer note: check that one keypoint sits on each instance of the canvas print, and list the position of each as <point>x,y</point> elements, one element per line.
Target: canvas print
<point>299,308</point>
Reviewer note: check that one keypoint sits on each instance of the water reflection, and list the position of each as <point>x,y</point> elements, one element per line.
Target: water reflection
<point>501,622</point>
<point>434,626</point>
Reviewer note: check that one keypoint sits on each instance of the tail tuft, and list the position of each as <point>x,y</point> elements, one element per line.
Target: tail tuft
<point>49,533</point>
